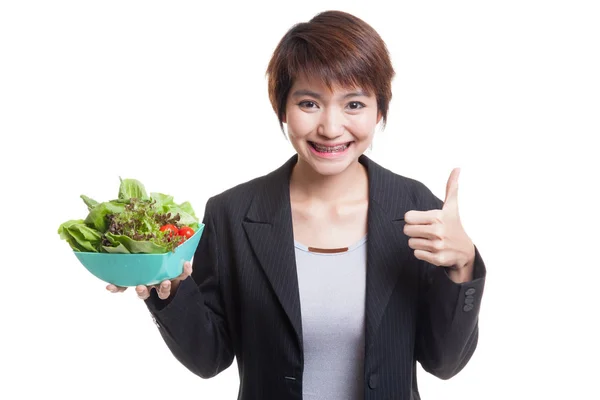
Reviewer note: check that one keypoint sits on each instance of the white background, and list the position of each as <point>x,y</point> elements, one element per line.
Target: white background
<point>174,94</point>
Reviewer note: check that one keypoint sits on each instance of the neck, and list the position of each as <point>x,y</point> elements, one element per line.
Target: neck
<point>307,184</point>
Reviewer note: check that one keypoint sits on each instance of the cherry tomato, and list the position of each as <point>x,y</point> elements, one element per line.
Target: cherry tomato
<point>186,232</point>
<point>170,228</point>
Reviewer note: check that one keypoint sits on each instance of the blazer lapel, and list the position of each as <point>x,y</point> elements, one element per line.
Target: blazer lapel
<point>387,246</point>
<point>268,225</point>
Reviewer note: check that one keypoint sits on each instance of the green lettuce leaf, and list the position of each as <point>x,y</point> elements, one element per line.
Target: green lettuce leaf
<point>120,249</point>
<point>132,188</point>
<point>135,246</point>
<point>97,216</point>
<point>187,207</point>
<point>90,203</point>
<point>165,204</point>
<point>185,218</point>
<point>80,236</point>
<point>163,201</point>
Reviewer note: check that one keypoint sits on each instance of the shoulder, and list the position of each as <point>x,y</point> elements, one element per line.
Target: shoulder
<point>422,195</point>
<point>392,186</point>
<point>236,200</point>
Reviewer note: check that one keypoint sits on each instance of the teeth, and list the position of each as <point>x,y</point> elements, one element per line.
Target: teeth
<point>327,149</point>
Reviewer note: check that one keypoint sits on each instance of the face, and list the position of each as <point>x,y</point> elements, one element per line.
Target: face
<point>329,129</point>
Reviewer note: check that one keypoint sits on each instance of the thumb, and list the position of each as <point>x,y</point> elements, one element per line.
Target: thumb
<point>451,199</point>
<point>187,271</point>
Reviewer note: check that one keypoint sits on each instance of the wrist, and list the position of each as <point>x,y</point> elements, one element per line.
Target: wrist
<point>460,275</point>
<point>463,271</point>
<point>174,286</point>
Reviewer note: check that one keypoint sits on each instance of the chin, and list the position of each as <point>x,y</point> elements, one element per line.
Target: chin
<point>330,169</point>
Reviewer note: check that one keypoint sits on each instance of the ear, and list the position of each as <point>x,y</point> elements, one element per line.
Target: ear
<point>379,116</point>
<point>284,119</point>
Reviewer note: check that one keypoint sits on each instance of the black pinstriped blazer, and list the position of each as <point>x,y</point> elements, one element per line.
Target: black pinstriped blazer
<point>242,299</point>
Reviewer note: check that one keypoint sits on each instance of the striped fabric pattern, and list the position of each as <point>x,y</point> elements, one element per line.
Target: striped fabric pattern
<point>243,301</point>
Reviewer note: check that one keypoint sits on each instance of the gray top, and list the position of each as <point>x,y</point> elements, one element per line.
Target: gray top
<point>332,298</point>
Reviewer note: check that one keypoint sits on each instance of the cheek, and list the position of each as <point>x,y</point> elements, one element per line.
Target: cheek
<point>300,123</point>
<point>363,125</point>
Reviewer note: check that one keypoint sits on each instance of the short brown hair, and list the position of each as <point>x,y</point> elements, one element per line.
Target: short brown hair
<point>336,47</point>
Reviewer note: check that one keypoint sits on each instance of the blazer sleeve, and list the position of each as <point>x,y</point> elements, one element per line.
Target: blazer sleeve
<point>447,323</point>
<point>193,322</point>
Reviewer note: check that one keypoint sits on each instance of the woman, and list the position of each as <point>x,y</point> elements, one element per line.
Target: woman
<point>285,278</point>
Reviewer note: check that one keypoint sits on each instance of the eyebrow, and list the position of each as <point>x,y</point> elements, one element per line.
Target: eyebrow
<point>304,92</point>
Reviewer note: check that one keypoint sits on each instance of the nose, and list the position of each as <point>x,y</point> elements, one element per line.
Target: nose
<point>331,124</point>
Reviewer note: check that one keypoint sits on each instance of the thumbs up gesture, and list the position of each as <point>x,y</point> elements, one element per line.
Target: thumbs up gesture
<point>438,237</point>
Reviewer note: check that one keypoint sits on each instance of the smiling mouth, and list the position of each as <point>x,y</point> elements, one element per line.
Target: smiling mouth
<point>329,149</point>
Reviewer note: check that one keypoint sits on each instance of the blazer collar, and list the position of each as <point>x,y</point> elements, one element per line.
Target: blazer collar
<point>268,224</point>
<point>273,198</point>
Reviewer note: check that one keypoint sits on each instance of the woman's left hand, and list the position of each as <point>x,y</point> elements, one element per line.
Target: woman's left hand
<point>438,237</point>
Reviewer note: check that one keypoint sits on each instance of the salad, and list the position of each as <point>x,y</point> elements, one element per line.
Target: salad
<point>135,222</point>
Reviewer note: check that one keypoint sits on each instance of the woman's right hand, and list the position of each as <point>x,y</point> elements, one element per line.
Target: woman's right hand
<point>164,290</point>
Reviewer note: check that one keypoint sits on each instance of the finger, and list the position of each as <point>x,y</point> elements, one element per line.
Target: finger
<point>115,289</point>
<point>440,259</point>
<point>425,256</point>
<point>164,290</point>
<point>187,271</point>
<point>423,217</point>
<point>431,246</point>
<point>452,189</point>
<point>143,292</point>
<point>432,232</point>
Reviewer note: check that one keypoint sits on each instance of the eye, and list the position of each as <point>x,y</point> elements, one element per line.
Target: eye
<point>355,105</point>
<point>308,104</point>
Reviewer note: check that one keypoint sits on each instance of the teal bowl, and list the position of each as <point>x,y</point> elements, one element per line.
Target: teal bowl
<point>140,269</point>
